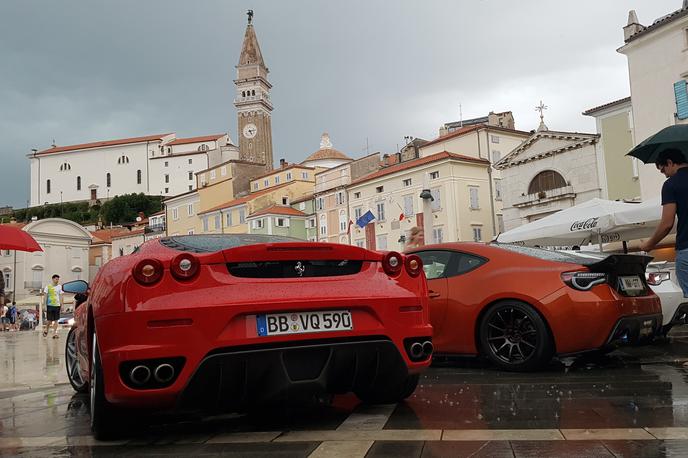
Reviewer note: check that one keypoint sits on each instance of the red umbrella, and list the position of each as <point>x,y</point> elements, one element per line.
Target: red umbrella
<point>13,238</point>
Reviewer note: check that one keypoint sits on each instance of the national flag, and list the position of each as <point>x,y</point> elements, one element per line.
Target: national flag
<point>348,228</point>
<point>401,217</point>
<point>365,219</point>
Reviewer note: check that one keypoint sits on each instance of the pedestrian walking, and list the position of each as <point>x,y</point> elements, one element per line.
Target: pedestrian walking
<point>2,289</point>
<point>53,304</point>
<point>12,312</point>
<point>672,163</point>
<point>4,310</point>
<point>416,238</point>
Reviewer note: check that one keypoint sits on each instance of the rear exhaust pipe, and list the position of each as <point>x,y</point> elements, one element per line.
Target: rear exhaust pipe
<point>140,375</point>
<point>427,348</point>
<point>164,373</point>
<point>416,350</point>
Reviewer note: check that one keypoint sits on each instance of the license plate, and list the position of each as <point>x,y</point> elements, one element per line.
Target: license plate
<point>631,284</point>
<point>275,324</point>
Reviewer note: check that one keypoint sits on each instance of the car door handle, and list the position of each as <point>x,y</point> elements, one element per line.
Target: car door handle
<point>433,294</point>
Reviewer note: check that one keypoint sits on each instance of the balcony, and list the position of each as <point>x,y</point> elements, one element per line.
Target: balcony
<point>154,228</point>
<point>542,197</point>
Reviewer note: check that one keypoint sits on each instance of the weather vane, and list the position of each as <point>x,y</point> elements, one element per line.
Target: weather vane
<point>541,108</point>
<point>249,13</point>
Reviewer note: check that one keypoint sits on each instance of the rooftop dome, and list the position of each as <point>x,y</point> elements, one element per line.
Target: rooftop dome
<point>326,151</point>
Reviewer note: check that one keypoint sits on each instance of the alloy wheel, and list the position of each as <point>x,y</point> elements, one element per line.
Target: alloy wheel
<point>511,335</point>
<point>72,360</point>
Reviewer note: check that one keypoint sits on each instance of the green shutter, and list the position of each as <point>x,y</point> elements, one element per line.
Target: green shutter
<point>681,99</point>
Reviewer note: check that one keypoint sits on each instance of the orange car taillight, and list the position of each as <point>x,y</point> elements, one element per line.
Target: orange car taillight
<point>392,263</point>
<point>184,267</point>
<point>414,265</point>
<point>583,281</point>
<point>148,271</point>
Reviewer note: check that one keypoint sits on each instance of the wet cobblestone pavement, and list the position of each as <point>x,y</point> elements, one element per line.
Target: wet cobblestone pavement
<point>633,402</point>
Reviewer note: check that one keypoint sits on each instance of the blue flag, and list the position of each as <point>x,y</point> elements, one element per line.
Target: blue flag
<point>365,219</point>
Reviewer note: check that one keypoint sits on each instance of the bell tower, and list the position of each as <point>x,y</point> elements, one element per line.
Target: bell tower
<point>252,102</point>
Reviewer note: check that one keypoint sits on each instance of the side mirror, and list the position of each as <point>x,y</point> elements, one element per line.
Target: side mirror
<point>74,287</point>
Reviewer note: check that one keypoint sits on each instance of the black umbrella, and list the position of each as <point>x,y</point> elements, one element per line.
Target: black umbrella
<point>669,137</point>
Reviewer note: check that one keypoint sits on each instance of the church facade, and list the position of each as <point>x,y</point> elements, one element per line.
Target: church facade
<point>161,164</point>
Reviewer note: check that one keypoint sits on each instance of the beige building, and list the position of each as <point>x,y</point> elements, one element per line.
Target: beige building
<point>658,77</point>
<point>181,214</point>
<point>225,181</point>
<point>483,141</point>
<point>460,210</point>
<point>614,121</point>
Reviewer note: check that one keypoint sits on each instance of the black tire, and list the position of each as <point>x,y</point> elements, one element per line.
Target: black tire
<point>105,423</point>
<point>72,364</point>
<point>514,337</point>
<point>389,391</point>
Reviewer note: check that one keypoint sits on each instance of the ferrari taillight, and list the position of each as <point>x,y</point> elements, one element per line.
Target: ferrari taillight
<point>148,271</point>
<point>414,265</point>
<point>392,263</point>
<point>184,267</point>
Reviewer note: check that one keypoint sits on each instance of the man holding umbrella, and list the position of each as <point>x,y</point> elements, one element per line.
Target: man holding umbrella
<point>667,150</point>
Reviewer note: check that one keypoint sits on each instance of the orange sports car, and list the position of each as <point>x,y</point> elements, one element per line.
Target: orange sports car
<point>519,306</point>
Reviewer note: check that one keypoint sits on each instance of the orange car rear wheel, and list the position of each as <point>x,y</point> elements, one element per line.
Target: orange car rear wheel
<point>514,336</point>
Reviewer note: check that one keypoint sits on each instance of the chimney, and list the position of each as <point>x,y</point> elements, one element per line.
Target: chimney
<point>633,26</point>
<point>283,163</point>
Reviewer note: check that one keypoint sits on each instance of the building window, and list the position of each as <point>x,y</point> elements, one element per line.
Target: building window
<point>281,222</point>
<point>381,242</point>
<point>255,186</point>
<point>8,279</point>
<point>218,222</point>
<point>190,161</point>
<point>167,164</point>
<point>339,198</point>
<point>473,191</point>
<point>242,216</point>
<point>190,187</point>
<point>285,200</point>
<point>434,175</point>
<point>108,180</point>
<point>229,218</point>
<point>167,190</point>
<point>498,189</point>
<point>437,199</point>
<point>266,182</point>
<point>138,177</point>
<point>546,180</point>
<point>379,189</point>
<point>223,170</point>
<point>496,156</point>
<point>494,138</point>
<point>167,178</point>
<point>78,183</point>
<point>190,232</point>
<point>358,212</point>
<point>500,223</point>
<point>212,174</point>
<point>381,211</point>
<point>203,179</point>
<point>288,176</point>
<point>175,214</point>
<point>258,223</point>
<point>205,224</point>
<point>123,160</point>
<point>320,203</point>
<point>304,175</point>
<point>477,234</point>
<point>323,230</point>
<point>357,195</point>
<point>408,206</point>
<point>437,235</point>
<point>190,175</point>
<point>302,206</point>
<point>190,209</point>
<point>360,243</point>
<point>203,147</point>
<point>406,182</point>
<point>277,179</point>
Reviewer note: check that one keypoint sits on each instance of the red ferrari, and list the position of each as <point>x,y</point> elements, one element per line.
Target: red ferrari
<point>519,306</point>
<point>216,323</point>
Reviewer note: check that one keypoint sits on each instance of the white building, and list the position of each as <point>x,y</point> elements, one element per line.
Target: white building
<point>65,252</point>
<point>549,172</point>
<point>657,71</point>
<point>126,243</point>
<point>153,165</point>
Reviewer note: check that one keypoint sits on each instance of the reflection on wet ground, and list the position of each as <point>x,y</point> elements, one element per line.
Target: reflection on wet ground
<point>633,402</point>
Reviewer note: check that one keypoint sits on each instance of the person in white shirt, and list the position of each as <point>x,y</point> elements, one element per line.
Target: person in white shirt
<point>53,303</point>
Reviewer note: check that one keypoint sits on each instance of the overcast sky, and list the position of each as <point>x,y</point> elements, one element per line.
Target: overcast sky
<point>80,71</point>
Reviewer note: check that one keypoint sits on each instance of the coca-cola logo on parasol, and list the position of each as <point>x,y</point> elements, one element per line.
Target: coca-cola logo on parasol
<point>584,224</point>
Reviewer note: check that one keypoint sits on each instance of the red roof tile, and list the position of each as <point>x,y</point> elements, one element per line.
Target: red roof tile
<point>121,141</point>
<point>278,210</point>
<point>129,234</point>
<point>241,200</point>
<point>416,162</point>
<point>590,111</point>
<point>106,235</point>
<point>205,138</point>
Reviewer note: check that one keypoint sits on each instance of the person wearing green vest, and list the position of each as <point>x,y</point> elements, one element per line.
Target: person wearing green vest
<point>53,303</point>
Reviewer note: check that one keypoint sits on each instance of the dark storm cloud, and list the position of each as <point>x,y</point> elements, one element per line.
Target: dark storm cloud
<point>79,71</point>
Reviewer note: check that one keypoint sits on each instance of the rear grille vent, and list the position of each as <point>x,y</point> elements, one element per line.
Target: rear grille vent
<point>293,269</point>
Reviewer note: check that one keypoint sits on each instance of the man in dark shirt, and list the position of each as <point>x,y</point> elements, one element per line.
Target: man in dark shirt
<point>672,163</point>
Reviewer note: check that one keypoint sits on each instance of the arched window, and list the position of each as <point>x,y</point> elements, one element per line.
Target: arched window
<point>78,183</point>
<point>546,180</point>
<point>64,167</point>
<point>47,186</point>
<point>243,93</point>
<point>138,177</point>
<point>123,160</point>
<point>253,92</point>
<point>203,147</point>
<point>108,181</point>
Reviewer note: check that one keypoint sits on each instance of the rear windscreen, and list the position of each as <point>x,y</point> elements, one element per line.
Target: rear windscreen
<point>219,242</point>
<point>582,258</point>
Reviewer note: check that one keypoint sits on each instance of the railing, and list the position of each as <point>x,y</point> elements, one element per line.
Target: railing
<point>154,228</point>
<point>549,195</point>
